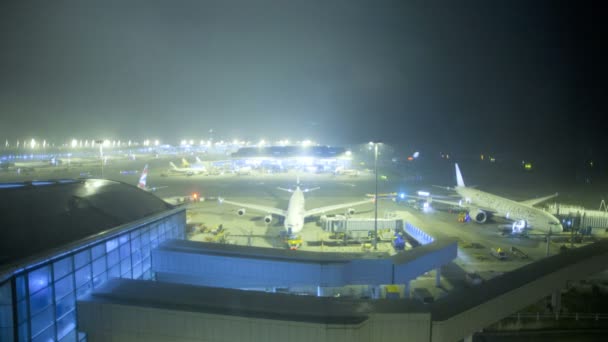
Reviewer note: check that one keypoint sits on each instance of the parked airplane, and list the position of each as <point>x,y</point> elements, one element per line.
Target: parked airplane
<point>481,205</point>
<point>143,181</point>
<point>189,171</point>
<point>296,212</point>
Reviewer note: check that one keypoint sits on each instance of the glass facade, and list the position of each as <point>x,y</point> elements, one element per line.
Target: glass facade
<point>39,303</point>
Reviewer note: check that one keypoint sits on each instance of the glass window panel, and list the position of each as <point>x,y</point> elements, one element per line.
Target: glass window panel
<point>40,300</point>
<point>42,321</point>
<point>62,267</point>
<point>145,250</point>
<point>98,251</point>
<point>145,236</point>
<point>99,266</point>
<point>111,245</point>
<point>6,316</point>
<point>63,287</point>
<point>113,258</point>
<point>99,279</point>
<point>125,266</point>
<point>136,257</point>
<point>114,272</point>
<point>147,275</point>
<point>82,258</point>
<point>66,324</point>
<point>20,285</point>
<point>84,289</point>
<point>21,311</point>
<point>65,305</point>
<point>6,334</point>
<point>39,278</point>
<point>125,251</point>
<point>82,337</point>
<point>83,275</point>
<point>146,264</point>
<point>153,243</point>
<point>24,331</point>
<point>70,337</point>
<point>153,233</point>
<point>135,243</point>
<point>47,335</point>
<point>6,296</point>
<point>135,233</point>
<point>123,239</point>
<point>137,271</point>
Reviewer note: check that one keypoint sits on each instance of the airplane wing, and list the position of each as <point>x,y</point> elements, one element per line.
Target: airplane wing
<point>535,201</point>
<point>322,210</point>
<point>461,204</point>
<point>260,208</point>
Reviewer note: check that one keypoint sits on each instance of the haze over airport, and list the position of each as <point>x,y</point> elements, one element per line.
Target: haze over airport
<point>510,77</point>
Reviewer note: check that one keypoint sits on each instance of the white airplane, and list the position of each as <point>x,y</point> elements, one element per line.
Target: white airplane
<point>143,181</point>
<point>482,205</point>
<point>341,171</point>
<point>296,211</point>
<point>189,171</point>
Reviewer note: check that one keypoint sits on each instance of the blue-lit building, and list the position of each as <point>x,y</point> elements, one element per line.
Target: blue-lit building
<point>61,239</point>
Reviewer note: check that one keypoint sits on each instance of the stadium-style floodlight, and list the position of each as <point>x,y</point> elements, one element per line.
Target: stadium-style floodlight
<point>74,143</point>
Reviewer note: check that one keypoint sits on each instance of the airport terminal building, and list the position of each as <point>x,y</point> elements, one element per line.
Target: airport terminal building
<point>99,260</point>
<point>62,239</point>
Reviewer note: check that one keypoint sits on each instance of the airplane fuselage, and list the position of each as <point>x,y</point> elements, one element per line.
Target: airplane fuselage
<point>512,210</point>
<point>294,219</point>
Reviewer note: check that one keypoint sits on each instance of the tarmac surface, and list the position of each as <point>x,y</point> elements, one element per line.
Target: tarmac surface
<point>475,240</point>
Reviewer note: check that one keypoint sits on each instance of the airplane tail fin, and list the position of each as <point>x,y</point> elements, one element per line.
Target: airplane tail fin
<point>143,178</point>
<point>297,180</point>
<point>198,160</point>
<point>185,163</point>
<point>173,165</point>
<point>285,189</point>
<point>459,180</point>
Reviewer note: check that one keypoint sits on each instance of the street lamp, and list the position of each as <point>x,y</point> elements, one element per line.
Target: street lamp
<point>375,144</point>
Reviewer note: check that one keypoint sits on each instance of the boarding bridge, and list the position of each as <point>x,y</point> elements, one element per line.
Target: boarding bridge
<point>582,218</point>
<point>360,227</point>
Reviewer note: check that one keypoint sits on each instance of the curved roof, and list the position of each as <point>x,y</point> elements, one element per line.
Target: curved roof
<point>41,215</point>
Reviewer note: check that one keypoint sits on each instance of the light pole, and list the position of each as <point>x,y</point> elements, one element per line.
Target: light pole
<point>375,143</point>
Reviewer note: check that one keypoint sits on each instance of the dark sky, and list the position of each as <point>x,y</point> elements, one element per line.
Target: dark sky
<point>501,74</point>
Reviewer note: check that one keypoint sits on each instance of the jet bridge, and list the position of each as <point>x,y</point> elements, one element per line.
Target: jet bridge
<point>245,267</point>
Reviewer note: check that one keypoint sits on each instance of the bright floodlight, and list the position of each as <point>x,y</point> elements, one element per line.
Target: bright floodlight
<point>74,143</point>
<point>424,193</point>
<point>156,142</point>
<point>306,143</point>
<point>416,154</point>
<point>33,143</point>
<point>349,153</point>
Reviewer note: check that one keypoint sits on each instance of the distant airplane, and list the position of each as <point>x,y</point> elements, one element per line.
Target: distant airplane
<point>341,171</point>
<point>296,212</point>
<point>482,205</point>
<point>189,171</point>
<point>143,179</point>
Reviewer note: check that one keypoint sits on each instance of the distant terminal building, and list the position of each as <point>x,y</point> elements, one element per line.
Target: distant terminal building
<point>313,158</point>
<point>62,239</point>
<point>290,152</point>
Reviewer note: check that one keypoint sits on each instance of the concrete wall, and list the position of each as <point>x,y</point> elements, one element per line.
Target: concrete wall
<point>113,322</point>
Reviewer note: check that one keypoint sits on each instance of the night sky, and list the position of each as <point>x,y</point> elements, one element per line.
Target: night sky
<point>505,75</point>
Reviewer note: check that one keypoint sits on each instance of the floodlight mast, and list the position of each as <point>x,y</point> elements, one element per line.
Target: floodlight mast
<point>375,144</point>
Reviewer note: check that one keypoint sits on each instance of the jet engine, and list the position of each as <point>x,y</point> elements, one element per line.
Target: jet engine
<point>350,211</point>
<point>519,226</point>
<point>479,216</point>
<point>268,219</point>
<point>241,211</point>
